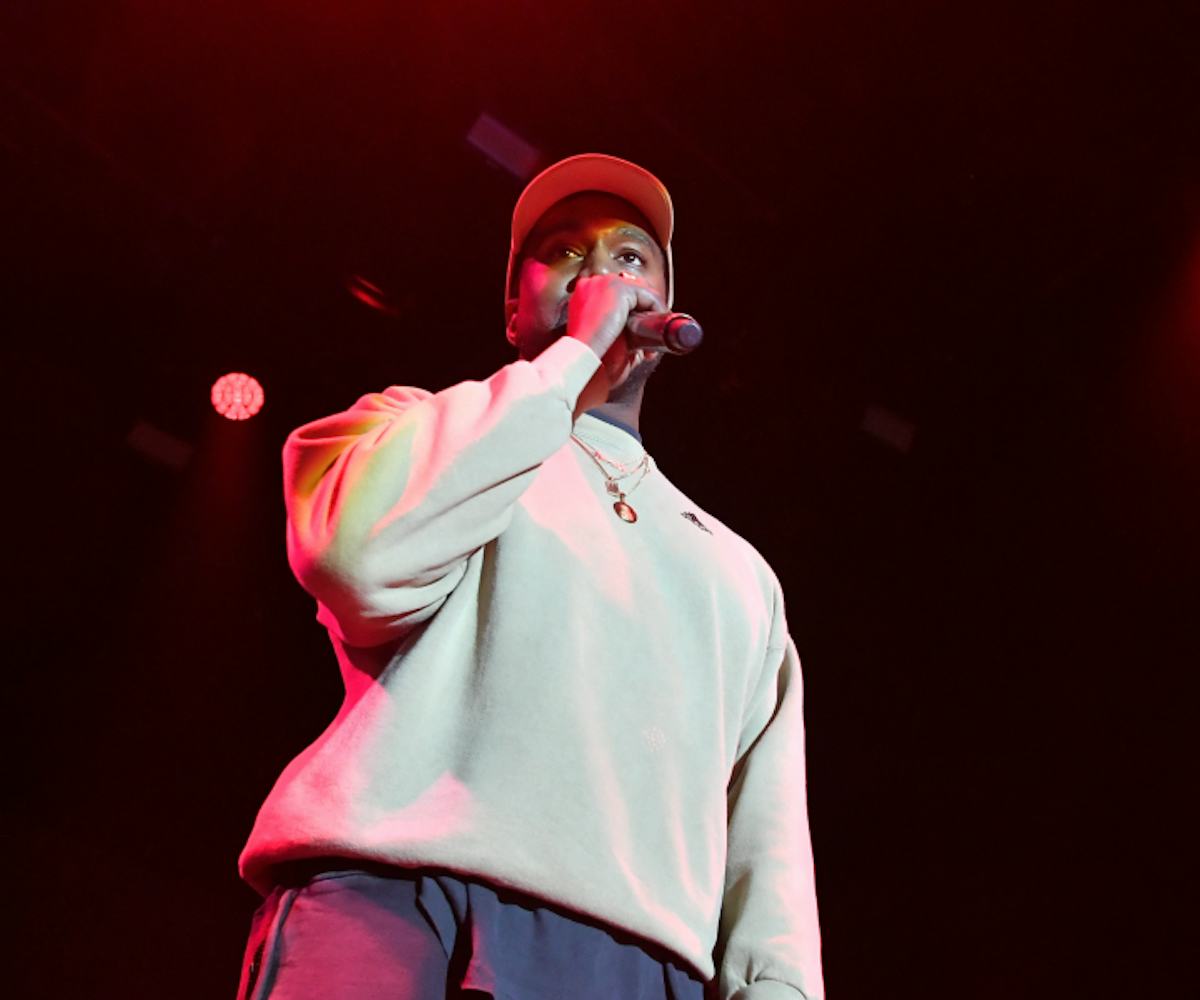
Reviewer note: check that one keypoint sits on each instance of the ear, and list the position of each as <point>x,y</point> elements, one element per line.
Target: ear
<point>510,320</point>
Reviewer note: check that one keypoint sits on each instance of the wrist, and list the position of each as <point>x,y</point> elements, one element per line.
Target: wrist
<point>595,341</point>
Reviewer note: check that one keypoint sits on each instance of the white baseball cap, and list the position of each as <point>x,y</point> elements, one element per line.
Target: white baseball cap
<point>594,172</point>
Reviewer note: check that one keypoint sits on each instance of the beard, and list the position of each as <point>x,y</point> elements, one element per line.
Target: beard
<point>632,387</point>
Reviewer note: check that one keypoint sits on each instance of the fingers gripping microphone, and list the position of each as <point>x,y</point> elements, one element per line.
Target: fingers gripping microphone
<point>675,332</point>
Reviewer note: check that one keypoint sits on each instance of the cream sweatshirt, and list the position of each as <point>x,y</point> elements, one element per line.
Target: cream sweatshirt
<point>605,716</point>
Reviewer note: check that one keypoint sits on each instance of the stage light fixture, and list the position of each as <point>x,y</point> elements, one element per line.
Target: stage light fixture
<point>237,396</point>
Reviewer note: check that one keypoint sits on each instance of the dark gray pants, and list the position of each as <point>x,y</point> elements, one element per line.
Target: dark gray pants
<point>344,936</point>
<point>352,934</point>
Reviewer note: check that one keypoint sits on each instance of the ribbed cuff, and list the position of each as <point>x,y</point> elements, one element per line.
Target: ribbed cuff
<point>569,364</point>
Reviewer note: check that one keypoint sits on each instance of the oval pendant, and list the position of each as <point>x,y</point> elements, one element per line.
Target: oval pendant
<point>625,512</point>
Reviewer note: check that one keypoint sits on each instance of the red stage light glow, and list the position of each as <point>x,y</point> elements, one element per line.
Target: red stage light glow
<point>371,295</point>
<point>237,396</point>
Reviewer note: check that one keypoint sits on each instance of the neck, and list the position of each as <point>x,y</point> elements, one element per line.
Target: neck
<point>628,411</point>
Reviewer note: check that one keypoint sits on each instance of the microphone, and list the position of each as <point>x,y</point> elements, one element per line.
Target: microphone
<point>674,332</point>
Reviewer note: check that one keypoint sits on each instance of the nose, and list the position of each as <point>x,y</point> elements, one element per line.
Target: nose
<point>595,262</point>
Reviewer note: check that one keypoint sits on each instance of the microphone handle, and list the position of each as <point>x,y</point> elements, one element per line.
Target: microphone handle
<point>675,332</point>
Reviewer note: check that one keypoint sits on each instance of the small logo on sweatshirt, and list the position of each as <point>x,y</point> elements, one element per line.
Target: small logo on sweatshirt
<point>696,521</point>
<point>655,738</point>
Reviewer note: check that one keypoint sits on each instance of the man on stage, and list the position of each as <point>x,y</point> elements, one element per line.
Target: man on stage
<point>570,759</point>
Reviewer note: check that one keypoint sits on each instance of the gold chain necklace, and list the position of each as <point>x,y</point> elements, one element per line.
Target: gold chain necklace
<point>612,484</point>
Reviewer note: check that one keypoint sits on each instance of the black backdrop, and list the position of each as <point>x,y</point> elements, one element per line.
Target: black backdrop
<point>983,219</point>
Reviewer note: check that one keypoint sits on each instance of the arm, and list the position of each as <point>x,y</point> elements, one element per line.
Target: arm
<point>768,943</point>
<point>386,501</point>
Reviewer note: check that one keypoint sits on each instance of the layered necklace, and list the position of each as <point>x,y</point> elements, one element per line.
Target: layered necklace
<point>614,482</point>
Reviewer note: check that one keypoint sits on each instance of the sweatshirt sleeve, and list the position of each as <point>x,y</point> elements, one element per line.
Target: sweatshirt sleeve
<point>386,501</point>
<point>768,943</point>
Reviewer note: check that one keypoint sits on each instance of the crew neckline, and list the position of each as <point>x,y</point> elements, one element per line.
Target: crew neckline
<point>613,421</point>
<point>611,438</point>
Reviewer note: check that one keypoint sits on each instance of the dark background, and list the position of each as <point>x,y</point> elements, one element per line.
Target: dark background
<point>983,219</point>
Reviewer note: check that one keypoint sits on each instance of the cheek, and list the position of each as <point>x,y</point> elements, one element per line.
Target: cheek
<point>659,283</point>
<point>537,280</point>
<point>542,290</point>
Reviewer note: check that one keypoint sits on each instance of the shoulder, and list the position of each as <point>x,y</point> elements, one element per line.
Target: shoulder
<point>733,545</point>
<point>372,408</point>
<point>393,398</point>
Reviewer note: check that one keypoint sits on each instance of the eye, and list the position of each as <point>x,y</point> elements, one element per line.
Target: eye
<point>564,251</point>
<point>632,257</point>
